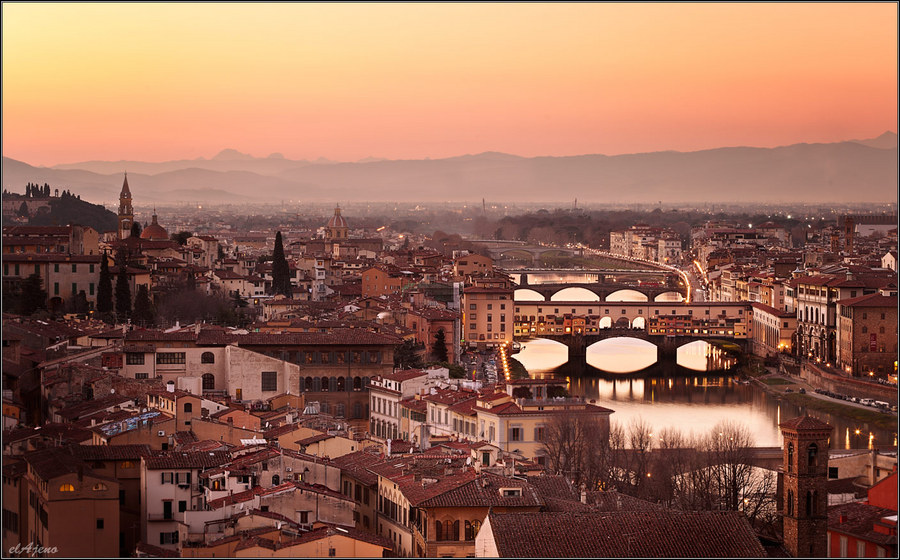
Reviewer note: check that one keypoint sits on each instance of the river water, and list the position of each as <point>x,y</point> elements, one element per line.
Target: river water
<point>689,399</point>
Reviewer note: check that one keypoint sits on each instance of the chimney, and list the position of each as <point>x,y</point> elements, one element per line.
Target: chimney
<point>584,496</point>
<point>170,386</point>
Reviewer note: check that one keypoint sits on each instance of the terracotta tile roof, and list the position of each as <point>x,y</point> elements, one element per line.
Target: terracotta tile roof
<point>313,439</point>
<point>110,452</point>
<point>419,491</point>
<point>859,520</point>
<point>88,408</point>
<point>870,300</point>
<point>55,461</point>
<point>806,423</point>
<point>404,375</point>
<point>317,534</point>
<point>413,403</point>
<point>623,534</point>
<point>484,491</point>
<point>357,465</point>
<point>153,551</point>
<point>611,500</point>
<point>187,460</point>
<point>552,486</point>
<point>236,498</point>
<point>333,337</point>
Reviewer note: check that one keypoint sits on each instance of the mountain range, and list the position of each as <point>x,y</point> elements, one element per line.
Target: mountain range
<point>853,170</point>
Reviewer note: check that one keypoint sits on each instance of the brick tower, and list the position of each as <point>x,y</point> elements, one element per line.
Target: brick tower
<point>805,496</point>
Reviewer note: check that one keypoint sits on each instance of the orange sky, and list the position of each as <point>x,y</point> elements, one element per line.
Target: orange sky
<point>346,81</point>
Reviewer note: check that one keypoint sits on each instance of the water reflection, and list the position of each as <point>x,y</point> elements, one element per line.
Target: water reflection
<point>541,354</point>
<point>703,356</point>
<point>675,397</point>
<point>621,354</point>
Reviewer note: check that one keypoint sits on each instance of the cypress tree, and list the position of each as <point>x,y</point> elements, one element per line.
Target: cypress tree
<point>104,288</point>
<point>136,229</point>
<point>281,272</point>
<point>33,296</point>
<point>439,348</point>
<point>123,293</point>
<point>143,309</point>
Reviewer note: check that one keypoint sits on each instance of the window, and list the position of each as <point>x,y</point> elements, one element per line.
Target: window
<point>209,381</point>
<point>134,359</point>
<point>182,505</point>
<point>472,326</point>
<point>269,381</point>
<point>509,492</point>
<point>207,358</point>
<point>91,268</point>
<point>472,307</point>
<point>141,375</point>
<point>515,434</point>
<point>91,288</point>
<point>832,472</point>
<point>811,455</point>
<point>67,488</point>
<point>55,268</point>
<point>790,461</point>
<point>55,285</point>
<point>170,358</point>
<point>276,480</point>
<point>188,407</point>
<point>168,538</point>
<point>860,549</point>
<point>99,522</point>
<point>539,433</point>
<point>167,478</point>
<point>99,487</point>
<point>790,503</point>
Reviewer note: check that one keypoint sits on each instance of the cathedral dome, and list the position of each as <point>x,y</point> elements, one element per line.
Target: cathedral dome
<point>337,221</point>
<point>155,232</point>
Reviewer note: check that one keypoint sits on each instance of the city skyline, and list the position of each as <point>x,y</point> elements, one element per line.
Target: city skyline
<point>346,82</point>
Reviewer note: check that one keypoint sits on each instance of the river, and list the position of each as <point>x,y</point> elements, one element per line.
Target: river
<point>687,399</point>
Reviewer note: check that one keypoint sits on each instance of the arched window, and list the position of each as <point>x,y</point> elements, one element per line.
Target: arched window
<point>790,461</point>
<point>324,383</point>
<point>99,487</point>
<point>811,508</point>
<point>357,383</point>
<point>448,531</point>
<point>470,536</point>
<point>438,531</point>
<point>209,381</point>
<point>207,358</point>
<point>812,453</point>
<point>476,526</point>
<point>188,407</point>
<point>341,384</point>
<point>309,384</point>
<point>790,502</point>
<point>276,480</point>
<point>66,488</point>
<point>127,465</point>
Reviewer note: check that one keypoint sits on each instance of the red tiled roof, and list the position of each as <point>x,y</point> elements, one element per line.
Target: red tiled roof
<point>859,521</point>
<point>870,300</point>
<point>187,460</point>
<point>658,534</point>
<point>356,465</point>
<point>110,452</point>
<point>484,491</point>
<point>806,423</point>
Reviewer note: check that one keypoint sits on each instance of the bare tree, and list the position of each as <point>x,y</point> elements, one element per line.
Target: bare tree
<point>576,445</point>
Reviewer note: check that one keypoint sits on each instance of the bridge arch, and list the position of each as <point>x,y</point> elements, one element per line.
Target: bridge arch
<point>575,294</point>
<point>622,322</point>
<point>639,323</point>
<point>627,294</point>
<point>518,254</point>
<point>670,296</point>
<point>621,354</point>
<point>527,294</point>
<point>605,322</point>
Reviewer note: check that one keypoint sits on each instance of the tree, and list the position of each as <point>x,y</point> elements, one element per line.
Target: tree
<point>104,288</point>
<point>181,237</point>
<point>123,293</point>
<point>135,229</point>
<point>79,303</point>
<point>406,355</point>
<point>143,309</point>
<point>576,445</point>
<point>23,210</point>
<point>33,296</point>
<point>191,283</point>
<point>281,273</point>
<point>439,348</point>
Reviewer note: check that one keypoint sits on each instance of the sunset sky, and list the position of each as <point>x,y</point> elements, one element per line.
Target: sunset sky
<point>156,82</point>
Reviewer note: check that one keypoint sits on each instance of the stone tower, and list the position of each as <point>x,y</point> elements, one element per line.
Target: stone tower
<point>126,213</point>
<point>805,497</point>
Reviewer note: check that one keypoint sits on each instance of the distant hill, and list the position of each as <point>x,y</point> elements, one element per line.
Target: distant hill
<point>861,170</point>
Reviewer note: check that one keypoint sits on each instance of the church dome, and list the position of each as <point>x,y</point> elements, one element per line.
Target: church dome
<point>155,232</point>
<point>337,221</point>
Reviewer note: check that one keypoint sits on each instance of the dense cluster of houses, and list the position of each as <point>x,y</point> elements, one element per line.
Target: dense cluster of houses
<point>298,437</point>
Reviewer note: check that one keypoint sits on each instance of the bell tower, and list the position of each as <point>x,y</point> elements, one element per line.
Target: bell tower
<point>126,213</point>
<point>805,498</point>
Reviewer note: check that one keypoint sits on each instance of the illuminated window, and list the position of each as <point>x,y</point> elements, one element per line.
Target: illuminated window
<point>66,488</point>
